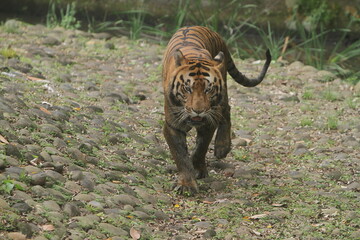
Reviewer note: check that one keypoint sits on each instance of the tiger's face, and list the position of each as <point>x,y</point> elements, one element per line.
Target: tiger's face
<point>196,90</point>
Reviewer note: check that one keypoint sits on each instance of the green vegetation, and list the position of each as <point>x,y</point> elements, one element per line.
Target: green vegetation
<point>8,185</point>
<point>312,23</point>
<point>8,53</point>
<point>66,18</point>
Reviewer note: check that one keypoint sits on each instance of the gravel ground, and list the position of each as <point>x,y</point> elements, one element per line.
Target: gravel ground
<point>82,154</point>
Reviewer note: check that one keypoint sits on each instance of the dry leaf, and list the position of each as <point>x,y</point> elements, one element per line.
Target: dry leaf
<point>135,234</point>
<point>258,216</point>
<point>35,78</point>
<point>278,204</point>
<point>45,110</point>
<point>2,139</point>
<point>48,227</point>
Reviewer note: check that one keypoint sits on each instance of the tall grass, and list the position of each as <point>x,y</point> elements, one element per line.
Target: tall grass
<point>308,44</point>
<point>66,19</point>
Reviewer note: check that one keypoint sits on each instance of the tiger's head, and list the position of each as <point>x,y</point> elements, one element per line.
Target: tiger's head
<point>196,90</point>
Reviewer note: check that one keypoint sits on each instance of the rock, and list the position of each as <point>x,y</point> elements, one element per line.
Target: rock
<point>29,229</point>
<point>209,234</point>
<point>87,222</point>
<point>141,215</point>
<point>51,41</point>
<point>300,150</point>
<point>16,236</point>
<point>112,230</point>
<point>218,186</point>
<point>71,209</point>
<point>38,178</point>
<point>51,205</point>
<point>325,76</point>
<point>96,205</point>
<point>3,204</point>
<point>22,207</point>
<point>204,225</point>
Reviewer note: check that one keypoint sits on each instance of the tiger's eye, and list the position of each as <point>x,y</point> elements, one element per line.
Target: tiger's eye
<point>187,88</point>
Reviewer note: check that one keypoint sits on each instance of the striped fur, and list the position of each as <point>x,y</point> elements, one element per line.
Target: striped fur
<point>195,67</point>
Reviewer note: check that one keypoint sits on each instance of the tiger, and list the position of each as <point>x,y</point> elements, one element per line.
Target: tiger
<point>194,70</point>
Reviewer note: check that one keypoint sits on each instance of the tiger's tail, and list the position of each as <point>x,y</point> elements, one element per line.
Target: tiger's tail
<point>242,79</point>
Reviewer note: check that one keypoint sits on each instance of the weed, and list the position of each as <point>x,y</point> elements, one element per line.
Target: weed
<point>308,95</point>
<point>8,53</point>
<point>67,17</point>
<point>332,123</point>
<point>306,122</point>
<point>241,155</point>
<point>8,185</point>
<point>330,95</point>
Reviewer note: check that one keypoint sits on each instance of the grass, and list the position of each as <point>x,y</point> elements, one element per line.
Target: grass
<point>8,53</point>
<point>66,18</point>
<point>332,123</point>
<point>225,19</point>
<point>306,122</point>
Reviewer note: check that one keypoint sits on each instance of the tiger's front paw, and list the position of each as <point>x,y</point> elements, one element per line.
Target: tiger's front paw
<point>221,150</point>
<point>186,185</point>
<point>201,173</point>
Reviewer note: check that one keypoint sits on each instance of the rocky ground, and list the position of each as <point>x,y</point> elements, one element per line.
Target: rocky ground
<point>82,154</point>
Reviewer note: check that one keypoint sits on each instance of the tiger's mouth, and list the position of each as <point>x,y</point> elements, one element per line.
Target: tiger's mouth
<point>196,121</point>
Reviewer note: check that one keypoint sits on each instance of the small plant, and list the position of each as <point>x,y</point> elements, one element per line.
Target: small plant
<point>330,95</point>
<point>306,122</point>
<point>308,95</point>
<point>240,155</point>
<point>332,123</point>
<point>8,185</point>
<point>8,53</point>
<point>67,17</point>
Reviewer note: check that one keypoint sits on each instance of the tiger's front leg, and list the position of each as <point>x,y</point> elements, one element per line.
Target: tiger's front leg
<point>223,134</point>
<point>203,139</point>
<point>176,139</point>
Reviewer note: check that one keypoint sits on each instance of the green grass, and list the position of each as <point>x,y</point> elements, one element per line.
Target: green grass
<point>306,122</point>
<point>66,18</point>
<point>8,53</point>
<point>332,123</point>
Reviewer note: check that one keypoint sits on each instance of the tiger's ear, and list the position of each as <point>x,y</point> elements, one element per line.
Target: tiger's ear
<point>219,58</point>
<point>179,58</point>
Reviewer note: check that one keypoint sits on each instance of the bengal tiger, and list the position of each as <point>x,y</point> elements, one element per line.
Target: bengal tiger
<point>195,65</point>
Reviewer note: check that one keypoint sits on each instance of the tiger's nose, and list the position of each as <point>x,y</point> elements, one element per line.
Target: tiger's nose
<point>197,111</point>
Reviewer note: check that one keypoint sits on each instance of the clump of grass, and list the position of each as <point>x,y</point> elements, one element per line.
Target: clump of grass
<point>241,155</point>
<point>330,95</point>
<point>67,18</point>
<point>308,95</point>
<point>306,122</point>
<point>332,123</point>
<point>8,53</point>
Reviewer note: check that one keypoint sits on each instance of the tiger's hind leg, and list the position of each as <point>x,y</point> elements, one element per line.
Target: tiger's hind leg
<point>203,139</point>
<point>223,135</point>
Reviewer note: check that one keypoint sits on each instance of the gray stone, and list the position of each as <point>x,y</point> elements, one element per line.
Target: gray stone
<point>141,215</point>
<point>22,207</point>
<point>87,222</point>
<point>51,205</point>
<point>125,199</point>
<point>71,209</point>
<point>29,229</point>
<point>38,178</point>
<point>112,230</point>
<point>203,224</point>
<point>55,176</point>
<point>97,205</point>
